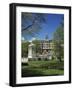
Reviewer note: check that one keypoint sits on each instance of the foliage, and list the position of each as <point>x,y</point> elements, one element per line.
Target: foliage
<point>46,64</point>
<point>59,34</point>
<point>31,23</point>
<point>58,41</point>
<point>24,48</point>
<point>37,46</point>
<point>37,49</point>
<point>41,68</point>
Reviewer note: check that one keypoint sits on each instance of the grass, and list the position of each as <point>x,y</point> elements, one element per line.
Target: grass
<point>42,68</point>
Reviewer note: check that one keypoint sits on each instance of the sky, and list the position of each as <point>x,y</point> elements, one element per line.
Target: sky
<point>52,23</point>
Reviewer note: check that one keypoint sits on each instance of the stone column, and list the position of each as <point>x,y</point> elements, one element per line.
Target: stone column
<point>30,50</point>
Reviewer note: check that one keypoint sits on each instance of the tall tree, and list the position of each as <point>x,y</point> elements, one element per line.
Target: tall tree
<point>59,42</point>
<point>31,23</point>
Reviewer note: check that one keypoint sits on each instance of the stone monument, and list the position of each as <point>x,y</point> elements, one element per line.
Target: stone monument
<point>31,50</point>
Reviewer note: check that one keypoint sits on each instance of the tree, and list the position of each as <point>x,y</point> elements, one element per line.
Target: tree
<point>58,40</point>
<point>37,46</point>
<point>24,49</point>
<point>58,50</point>
<point>31,23</point>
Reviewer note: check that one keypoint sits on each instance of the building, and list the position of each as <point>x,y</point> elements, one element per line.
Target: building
<point>46,48</point>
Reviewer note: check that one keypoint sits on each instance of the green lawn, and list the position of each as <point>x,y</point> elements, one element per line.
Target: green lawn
<point>42,68</point>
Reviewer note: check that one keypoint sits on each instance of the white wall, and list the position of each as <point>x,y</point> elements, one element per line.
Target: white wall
<point>4,44</point>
